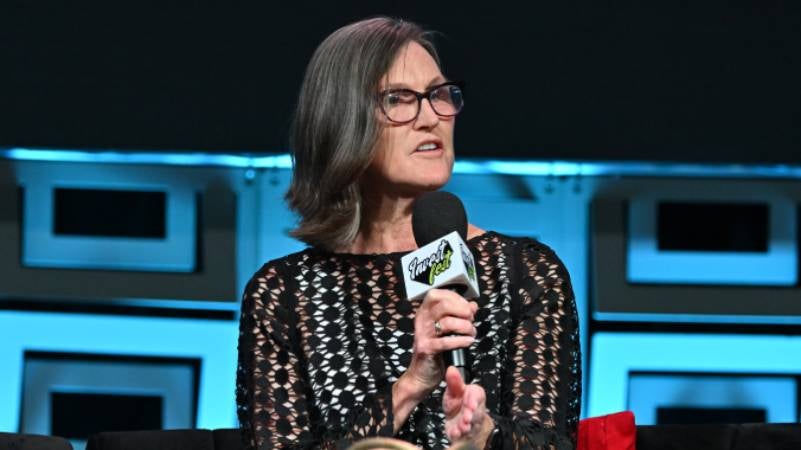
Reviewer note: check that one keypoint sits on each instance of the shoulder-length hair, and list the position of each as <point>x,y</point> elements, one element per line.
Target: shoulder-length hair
<point>335,127</point>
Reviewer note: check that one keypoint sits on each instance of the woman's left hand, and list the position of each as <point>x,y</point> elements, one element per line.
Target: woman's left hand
<point>465,410</point>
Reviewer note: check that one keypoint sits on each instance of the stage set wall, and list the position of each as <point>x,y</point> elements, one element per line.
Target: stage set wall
<point>661,331</point>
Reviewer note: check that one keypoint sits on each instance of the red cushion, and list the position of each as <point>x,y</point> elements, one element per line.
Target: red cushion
<point>610,432</point>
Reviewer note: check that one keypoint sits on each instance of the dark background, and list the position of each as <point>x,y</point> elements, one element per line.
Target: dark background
<point>672,81</point>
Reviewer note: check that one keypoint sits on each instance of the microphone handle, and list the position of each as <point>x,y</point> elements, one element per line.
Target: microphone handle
<point>457,357</point>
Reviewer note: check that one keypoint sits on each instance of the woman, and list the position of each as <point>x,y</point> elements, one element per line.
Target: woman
<point>330,350</point>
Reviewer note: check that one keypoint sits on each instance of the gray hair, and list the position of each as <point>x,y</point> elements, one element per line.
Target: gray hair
<point>335,128</point>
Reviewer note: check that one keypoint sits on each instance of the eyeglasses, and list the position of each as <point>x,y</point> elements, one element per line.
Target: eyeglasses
<point>403,105</point>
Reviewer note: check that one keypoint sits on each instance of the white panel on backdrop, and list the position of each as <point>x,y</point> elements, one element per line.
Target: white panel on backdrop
<point>616,356</point>
<point>42,247</point>
<point>646,263</point>
<point>170,381</point>
<point>773,394</point>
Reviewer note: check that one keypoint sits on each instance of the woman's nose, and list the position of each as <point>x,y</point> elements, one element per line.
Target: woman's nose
<point>427,117</point>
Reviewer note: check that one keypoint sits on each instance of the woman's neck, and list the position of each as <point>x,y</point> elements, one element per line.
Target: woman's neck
<point>386,226</point>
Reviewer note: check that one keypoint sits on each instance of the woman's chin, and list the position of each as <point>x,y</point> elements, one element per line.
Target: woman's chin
<point>409,188</point>
<point>433,184</point>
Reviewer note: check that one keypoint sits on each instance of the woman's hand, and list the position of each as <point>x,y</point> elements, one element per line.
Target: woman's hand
<point>443,322</point>
<point>452,314</point>
<point>465,410</point>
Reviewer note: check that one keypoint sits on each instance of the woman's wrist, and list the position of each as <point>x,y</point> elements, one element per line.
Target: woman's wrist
<point>405,397</point>
<point>488,430</point>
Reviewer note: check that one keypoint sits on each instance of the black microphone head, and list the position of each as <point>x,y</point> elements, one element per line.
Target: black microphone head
<point>436,214</point>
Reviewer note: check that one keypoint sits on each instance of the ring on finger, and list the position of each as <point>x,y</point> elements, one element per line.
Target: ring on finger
<point>437,328</point>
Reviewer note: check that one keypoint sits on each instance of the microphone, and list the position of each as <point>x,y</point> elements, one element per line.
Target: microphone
<point>442,261</point>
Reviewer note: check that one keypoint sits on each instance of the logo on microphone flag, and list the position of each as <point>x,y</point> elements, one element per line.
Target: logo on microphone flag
<point>443,263</point>
<point>469,264</point>
<point>427,269</point>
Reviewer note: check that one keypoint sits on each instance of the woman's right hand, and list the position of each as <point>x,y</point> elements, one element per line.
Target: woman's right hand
<point>455,316</point>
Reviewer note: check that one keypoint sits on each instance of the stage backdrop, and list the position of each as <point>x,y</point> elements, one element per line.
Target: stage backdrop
<point>701,82</point>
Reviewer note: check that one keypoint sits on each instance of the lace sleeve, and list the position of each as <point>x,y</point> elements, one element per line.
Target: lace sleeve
<point>542,386</point>
<point>274,401</point>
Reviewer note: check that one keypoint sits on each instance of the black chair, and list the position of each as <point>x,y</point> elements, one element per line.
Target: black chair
<point>754,436</point>
<point>17,441</point>
<point>657,437</point>
<point>222,439</point>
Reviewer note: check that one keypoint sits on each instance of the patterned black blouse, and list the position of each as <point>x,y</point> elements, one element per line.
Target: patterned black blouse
<point>323,336</point>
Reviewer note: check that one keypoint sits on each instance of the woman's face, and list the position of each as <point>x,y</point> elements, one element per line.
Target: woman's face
<point>400,166</point>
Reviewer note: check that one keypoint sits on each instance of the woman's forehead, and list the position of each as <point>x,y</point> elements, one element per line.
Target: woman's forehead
<point>413,68</point>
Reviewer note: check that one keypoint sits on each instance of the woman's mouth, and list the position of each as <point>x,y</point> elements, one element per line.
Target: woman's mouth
<point>427,147</point>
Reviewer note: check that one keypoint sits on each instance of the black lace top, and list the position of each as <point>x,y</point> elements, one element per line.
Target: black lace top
<point>323,336</point>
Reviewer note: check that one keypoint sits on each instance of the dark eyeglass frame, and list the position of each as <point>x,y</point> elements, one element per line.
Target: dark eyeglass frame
<point>420,96</point>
